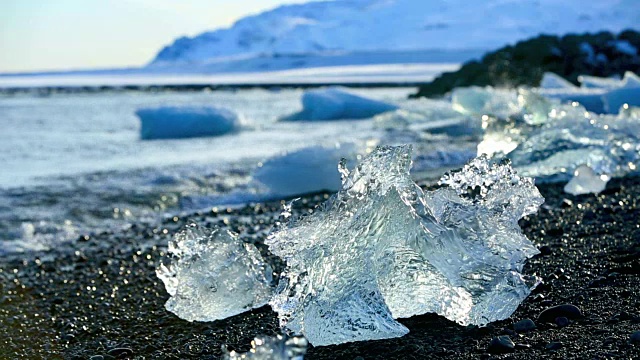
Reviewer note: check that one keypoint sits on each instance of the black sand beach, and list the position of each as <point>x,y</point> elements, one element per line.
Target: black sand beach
<point>99,297</point>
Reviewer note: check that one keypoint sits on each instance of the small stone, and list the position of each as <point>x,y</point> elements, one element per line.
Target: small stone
<point>562,321</point>
<point>120,352</point>
<point>501,345</point>
<point>545,250</point>
<point>523,346</point>
<point>97,357</point>
<point>556,345</point>
<point>524,326</point>
<point>507,331</point>
<point>624,316</point>
<point>566,310</point>
<point>609,340</point>
<point>635,338</point>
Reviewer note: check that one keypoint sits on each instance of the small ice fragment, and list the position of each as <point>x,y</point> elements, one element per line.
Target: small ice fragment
<point>214,275</point>
<point>586,181</point>
<point>337,104</point>
<point>553,81</point>
<point>478,101</point>
<point>471,100</point>
<point>171,122</point>
<point>279,347</point>
<point>381,248</point>
<point>536,108</point>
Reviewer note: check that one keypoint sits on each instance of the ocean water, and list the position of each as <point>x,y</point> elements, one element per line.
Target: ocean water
<point>74,164</point>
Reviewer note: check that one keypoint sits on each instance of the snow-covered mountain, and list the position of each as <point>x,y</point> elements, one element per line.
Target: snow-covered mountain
<point>330,27</point>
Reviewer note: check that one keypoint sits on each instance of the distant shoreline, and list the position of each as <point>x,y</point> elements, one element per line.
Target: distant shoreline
<point>46,90</point>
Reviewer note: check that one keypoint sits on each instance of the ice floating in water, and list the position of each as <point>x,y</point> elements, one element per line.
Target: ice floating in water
<point>214,275</point>
<point>304,171</point>
<point>279,347</point>
<point>183,122</point>
<point>337,104</point>
<point>381,248</point>
<point>586,181</point>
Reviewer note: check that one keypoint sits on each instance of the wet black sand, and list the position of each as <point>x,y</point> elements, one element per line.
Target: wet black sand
<point>99,295</point>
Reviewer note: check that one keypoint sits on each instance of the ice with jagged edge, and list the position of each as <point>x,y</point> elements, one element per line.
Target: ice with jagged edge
<point>382,249</point>
<point>214,275</point>
<point>549,140</point>
<point>279,347</point>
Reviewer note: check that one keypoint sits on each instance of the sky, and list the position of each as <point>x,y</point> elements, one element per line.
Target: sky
<point>37,35</point>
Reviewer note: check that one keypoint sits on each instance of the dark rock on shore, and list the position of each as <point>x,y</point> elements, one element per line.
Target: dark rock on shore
<point>568,311</point>
<point>111,298</point>
<point>524,326</point>
<point>524,63</point>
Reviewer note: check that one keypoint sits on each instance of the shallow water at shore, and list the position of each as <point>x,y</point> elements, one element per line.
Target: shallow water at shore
<point>74,164</point>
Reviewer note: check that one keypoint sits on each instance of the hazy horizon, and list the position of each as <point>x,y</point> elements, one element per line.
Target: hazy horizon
<point>75,34</point>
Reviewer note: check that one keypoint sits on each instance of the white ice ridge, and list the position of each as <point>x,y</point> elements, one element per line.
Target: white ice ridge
<point>382,248</point>
<point>279,347</point>
<point>214,275</point>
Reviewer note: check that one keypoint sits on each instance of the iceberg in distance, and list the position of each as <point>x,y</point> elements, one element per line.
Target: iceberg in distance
<point>214,275</point>
<point>184,122</point>
<point>382,248</point>
<point>337,104</point>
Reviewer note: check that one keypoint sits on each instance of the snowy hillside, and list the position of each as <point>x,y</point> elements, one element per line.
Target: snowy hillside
<point>340,26</point>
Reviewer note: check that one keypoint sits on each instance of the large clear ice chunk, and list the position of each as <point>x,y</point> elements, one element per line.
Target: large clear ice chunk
<point>382,248</point>
<point>214,275</point>
<point>279,347</point>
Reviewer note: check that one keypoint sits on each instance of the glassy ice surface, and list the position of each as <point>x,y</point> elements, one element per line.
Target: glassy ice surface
<point>214,275</point>
<point>382,248</point>
<point>586,181</point>
<point>549,140</point>
<point>279,347</point>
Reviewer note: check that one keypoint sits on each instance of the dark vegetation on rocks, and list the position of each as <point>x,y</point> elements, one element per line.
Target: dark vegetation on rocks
<point>524,63</point>
<point>99,296</point>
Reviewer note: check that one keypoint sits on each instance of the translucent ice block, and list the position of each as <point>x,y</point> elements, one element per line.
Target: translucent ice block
<point>586,181</point>
<point>382,248</point>
<point>214,275</point>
